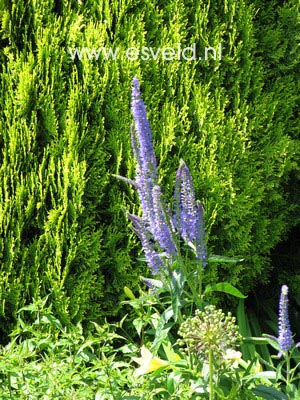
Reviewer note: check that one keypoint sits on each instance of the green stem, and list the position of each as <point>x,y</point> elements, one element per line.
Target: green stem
<point>211,371</point>
<point>180,317</point>
<point>110,383</point>
<point>196,296</point>
<point>199,277</point>
<point>288,369</point>
<point>195,287</point>
<point>9,385</point>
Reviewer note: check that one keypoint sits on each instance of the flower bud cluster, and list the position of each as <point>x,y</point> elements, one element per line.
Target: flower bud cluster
<point>209,330</point>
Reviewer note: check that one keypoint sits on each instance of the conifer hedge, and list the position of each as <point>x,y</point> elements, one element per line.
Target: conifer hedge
<point>65,128</point>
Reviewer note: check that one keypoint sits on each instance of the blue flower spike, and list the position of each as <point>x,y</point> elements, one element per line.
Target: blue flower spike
<point>285,338</point>
<point>158,228</point>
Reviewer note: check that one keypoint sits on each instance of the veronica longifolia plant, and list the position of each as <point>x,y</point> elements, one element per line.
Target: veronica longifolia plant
<point>158,229</point>
<point>189,216</point>
<point>163,230</point>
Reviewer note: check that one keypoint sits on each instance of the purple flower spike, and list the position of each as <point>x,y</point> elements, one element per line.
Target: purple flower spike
<point>153,259</point>
<point>142,136</point>
<point>160,228</point>
<point>156,228</point>
<point>141,141</point>
<point>189,216</point>
<point>285,338</point>
<point>154,218</point>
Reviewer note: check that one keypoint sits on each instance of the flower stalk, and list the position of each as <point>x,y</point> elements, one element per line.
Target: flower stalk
<point>211,374</point>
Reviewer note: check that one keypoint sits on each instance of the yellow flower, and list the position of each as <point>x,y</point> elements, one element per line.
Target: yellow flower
<point>148,363</point>
<point>256,368</point>
<point>233,357</point>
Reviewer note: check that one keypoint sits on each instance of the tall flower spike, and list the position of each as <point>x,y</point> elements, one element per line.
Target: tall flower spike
<point>189,217</point>
<point>141,141</point>
<point>160,228</point>
<point>153,259</point>
<point>285,338</point>
<point>142,136</point>
<point>154,217</point>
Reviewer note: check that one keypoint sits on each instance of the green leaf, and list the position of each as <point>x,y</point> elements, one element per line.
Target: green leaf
<point>256,340</point>
<point>263,349</point>
<point>87,355</point>
<point>50,319</point>
<point>270,375</point>
<point>224,287</point>
<point>31,307</point>
<point>154,282</point>
<point>162,329</point>
<point>215,258</point>
<point>138,324</point>
<point>129,293</point>
<point>243,323</point>
<point>130,398</point>
<point>268,393</point>
<point>161,336</point>
<point>170,353</point>
<point>272,341</point>
<point>177,284</point>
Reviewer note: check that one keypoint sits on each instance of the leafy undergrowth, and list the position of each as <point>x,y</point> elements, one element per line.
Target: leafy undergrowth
<point>45,360</point>
<point>48,361</point>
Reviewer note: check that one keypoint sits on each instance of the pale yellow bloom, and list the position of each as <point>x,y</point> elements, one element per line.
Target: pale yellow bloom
<point>148,363</point>
<point>256,368</point>
<point>233,357</point>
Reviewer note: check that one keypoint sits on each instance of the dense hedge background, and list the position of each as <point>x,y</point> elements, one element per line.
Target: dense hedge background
<point>65,128</point>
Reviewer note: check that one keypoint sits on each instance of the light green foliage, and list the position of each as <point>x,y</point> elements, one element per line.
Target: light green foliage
<point>48,360</point>
<point>65,128</point>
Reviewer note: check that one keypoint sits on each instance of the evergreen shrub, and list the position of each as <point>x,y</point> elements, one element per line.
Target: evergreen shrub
<point>65,128</point>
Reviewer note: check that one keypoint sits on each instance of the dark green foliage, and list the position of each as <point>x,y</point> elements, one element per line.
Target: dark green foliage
<point>65,126</point>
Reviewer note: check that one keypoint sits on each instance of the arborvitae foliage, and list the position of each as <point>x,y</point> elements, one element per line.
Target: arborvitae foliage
<point>65,127</point>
